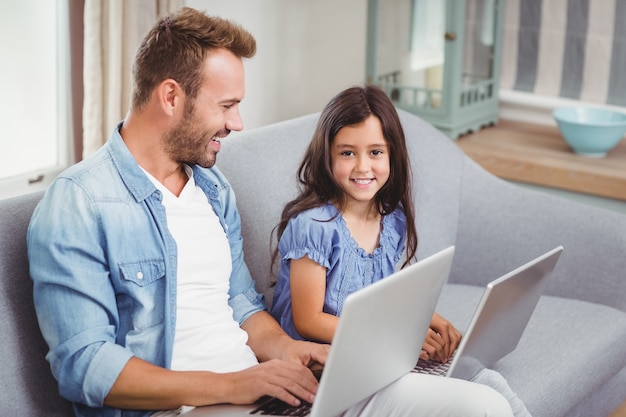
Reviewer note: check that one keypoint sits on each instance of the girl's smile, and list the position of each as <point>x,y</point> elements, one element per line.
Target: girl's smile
<point>362,183</point>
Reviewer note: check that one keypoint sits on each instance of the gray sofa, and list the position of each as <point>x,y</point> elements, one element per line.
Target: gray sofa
<point>571,360</point>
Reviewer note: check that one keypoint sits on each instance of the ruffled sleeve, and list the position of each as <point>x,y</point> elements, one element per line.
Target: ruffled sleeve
<point>312,233</point>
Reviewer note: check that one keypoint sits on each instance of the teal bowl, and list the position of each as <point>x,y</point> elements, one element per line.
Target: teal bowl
<point>590,131</point>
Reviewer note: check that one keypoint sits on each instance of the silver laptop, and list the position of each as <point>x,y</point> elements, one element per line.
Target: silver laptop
<point>378,339</point>
<point>499,320</point>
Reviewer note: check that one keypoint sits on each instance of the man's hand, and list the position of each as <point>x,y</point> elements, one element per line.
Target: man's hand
<point>268,341</point>
<point>288,378</point>
<point>441,341</point>
<point>288,358</point>
<point>287,381</point>
<point>306,353</point>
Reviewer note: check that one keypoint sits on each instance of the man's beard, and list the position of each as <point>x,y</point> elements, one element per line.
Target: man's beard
<point>188,141</point>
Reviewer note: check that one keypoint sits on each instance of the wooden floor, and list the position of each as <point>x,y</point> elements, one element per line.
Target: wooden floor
<point>539,155</point>
<point>620,412</point>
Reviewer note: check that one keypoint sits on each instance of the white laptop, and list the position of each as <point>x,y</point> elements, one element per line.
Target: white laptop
<point>378,339</point>
<point>499,320</point>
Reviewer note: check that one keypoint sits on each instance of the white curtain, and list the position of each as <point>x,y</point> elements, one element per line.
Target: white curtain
<point>113,31</point>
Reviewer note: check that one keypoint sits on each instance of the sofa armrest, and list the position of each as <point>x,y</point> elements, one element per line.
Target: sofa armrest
<point>503,225</point>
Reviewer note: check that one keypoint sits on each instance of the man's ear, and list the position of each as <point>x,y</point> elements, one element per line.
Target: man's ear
<point>169,94</point>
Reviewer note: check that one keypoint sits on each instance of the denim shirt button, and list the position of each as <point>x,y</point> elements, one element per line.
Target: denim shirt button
<point>139,275</point>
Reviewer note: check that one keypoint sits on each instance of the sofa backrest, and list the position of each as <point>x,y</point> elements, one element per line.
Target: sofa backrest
<point>496,225</point>
<point>28,388</point>
<point>261,165</point>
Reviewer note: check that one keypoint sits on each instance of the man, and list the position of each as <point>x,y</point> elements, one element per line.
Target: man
<point>140,286</point>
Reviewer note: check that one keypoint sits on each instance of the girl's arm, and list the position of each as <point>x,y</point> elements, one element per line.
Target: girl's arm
<point>308,288</point>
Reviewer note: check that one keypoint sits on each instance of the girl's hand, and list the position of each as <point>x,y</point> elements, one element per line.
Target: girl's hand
<point>441,341</point>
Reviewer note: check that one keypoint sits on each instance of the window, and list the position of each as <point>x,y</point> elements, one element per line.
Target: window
<point>35,113</point>
<point>428,24</point>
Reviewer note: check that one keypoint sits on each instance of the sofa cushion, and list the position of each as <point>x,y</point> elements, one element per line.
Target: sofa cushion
<point>556,348</point>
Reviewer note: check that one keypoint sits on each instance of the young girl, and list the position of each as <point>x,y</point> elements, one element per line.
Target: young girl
<point>352,222</point>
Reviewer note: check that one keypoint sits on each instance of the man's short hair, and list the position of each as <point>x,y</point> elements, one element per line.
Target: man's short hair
<point>177,46</point>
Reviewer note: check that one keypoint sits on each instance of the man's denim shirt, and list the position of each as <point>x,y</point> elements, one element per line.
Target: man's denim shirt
<point>104,269</point>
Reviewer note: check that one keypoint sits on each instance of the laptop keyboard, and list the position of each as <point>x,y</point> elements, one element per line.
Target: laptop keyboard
<point>432,367</point>
<point>276,407</point>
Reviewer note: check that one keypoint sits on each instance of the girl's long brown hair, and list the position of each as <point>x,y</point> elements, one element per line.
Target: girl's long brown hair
<point>316,183</point>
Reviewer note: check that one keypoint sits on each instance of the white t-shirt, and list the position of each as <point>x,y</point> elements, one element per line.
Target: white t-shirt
<point>206,336</point>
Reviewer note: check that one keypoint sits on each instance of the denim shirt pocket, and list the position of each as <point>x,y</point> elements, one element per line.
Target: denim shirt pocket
<point>143,273</point>
<point>141,304</point>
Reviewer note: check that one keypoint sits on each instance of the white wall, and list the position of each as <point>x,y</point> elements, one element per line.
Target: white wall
<point>307,51</point>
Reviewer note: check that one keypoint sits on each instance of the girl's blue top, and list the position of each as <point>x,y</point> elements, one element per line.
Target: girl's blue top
<point>322,234</point>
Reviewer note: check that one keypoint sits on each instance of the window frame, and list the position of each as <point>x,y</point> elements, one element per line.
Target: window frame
<point>40,179</point>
